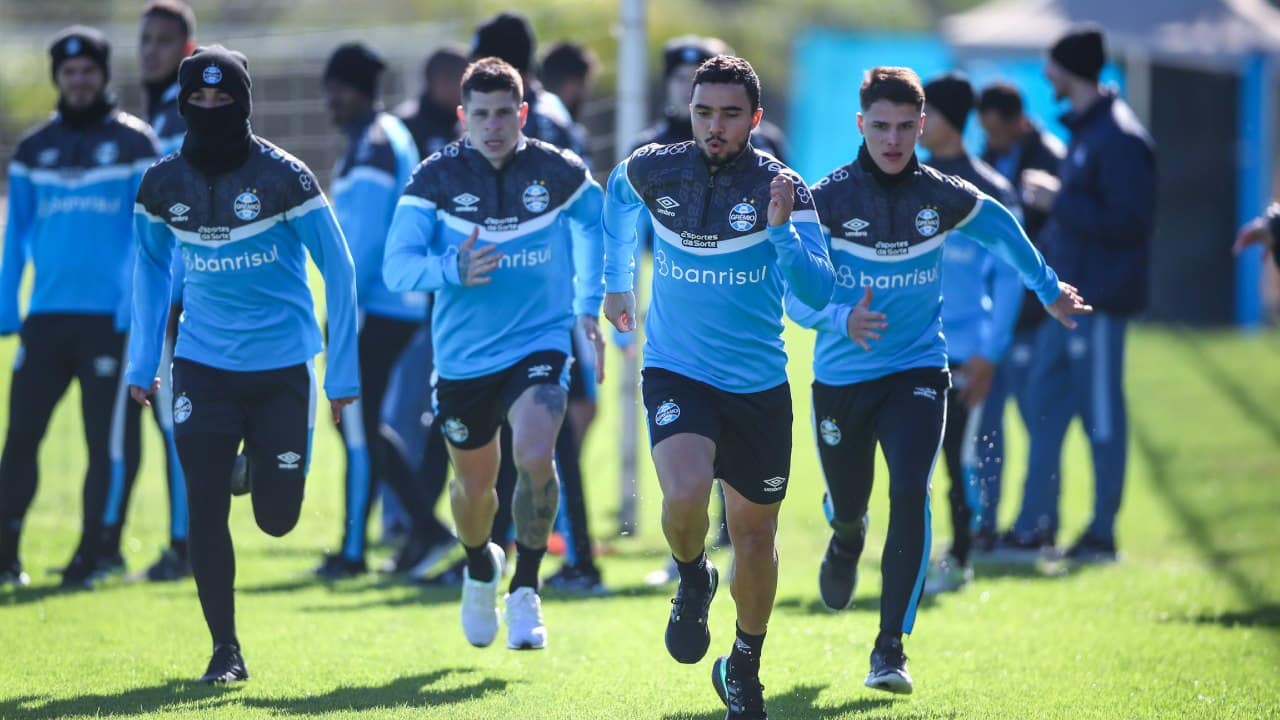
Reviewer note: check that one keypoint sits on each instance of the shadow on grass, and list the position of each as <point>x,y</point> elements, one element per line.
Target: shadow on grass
<point>813,605</point>
<point>176,695</point>
<point>438,594</point>
<point>1264,616</point>
<point>802,702</point>
<point>37,593</point>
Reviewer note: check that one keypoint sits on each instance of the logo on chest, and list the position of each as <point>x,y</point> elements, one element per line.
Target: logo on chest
<point>247,205</point>
<point>666,205</point>
<point>466,202</point>
<point>178,212</point>
<point>106,153</point>
<point>536,198</point>
<point>928,222</point>
<point>857,227</point>
<point>742,217</point>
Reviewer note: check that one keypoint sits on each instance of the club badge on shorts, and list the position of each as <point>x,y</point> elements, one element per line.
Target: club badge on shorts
<point>667,413</point>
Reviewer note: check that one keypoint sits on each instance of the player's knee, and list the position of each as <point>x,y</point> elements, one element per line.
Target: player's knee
<point>536,459</point>
<point>911,494</point>
<point>277,523</point>
<point>470,488</point>
<point>686,495</point>
<point>754,541</point>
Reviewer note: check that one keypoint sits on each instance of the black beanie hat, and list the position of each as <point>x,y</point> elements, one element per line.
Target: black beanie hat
<point>215,67</point>
<point>81,41</point>
<point>357,65</point>
<point>685,50</point>
<point>951,95</point>
<point>507,36</point>
<point>1081,52</point>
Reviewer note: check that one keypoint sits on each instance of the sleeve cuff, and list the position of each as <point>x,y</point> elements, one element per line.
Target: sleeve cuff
<point>620,283</point>
<point>449,264</point>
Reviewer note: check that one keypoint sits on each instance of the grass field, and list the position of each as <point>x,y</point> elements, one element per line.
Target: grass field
<point>1187,625</point>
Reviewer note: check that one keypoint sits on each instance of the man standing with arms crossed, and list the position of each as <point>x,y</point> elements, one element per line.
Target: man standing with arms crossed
<point>734,229</point>
<point>481,224</point>
<point>880,375</point>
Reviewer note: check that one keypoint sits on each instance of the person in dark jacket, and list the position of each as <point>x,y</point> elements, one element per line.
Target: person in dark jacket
<point>1101,216</point>
<point>1013,145</point>
<point>432,117</point>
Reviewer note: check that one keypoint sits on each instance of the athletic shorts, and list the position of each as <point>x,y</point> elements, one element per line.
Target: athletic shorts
<point>472,410</point>
<point>751,431</point>
<point>272,410</point>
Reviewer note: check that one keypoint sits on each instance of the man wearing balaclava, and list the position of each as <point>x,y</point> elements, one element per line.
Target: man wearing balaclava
<point>1101,217</point>
<point>244,214</point>
<point>982,297</point>
<point>380,157</point>
<point>72,182</point>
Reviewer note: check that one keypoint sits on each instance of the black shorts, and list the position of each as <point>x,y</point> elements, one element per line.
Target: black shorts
<point>751,431</point>
<point>472,410</point>
<point>582,379</point>
<point>272,410</point>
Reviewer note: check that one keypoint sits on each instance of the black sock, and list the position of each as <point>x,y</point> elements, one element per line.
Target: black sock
<point>694,574</point>
<point>528,561</point>
<point>110,541</point>
<point>179,547</point>
<point>886,637</point>
<point>745,656</point>
<point>479,563</point>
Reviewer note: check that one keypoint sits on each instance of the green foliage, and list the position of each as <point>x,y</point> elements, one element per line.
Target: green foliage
<point>1186,626</point>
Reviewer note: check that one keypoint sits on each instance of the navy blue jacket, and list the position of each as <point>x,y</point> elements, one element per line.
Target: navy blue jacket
<point>1098,235</point>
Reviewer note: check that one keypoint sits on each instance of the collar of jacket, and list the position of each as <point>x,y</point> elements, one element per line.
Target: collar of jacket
<point>1075,121</point>
<point>884,179</point>
<point>473,157</point>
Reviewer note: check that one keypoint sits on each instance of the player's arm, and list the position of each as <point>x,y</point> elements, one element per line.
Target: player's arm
<point>17,238</point>
<point>152,278</point>
<point>139,168</point>
<point>1006,304</point>
<point>368,199</point>
<point>622,207</point>
<point>316,226</point>
<point>797,237</point>
<point>994,227</point>
<point>588,264</point>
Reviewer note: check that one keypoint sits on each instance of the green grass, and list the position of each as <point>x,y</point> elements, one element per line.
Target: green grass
<point>1187,625</point>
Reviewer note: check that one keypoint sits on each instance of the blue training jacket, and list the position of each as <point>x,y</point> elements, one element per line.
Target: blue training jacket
<point>715,313</point>
<point>981,296</point>
<point>70,210</point>
<point>244,236</point>
<point>367,183</point>
<point>887,234</point>
<point>541,210</point>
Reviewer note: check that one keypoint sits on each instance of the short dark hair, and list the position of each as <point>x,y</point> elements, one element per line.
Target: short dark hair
<point>730,70</point>
<point>174,10</point>
<point>489,75</point>
<point>450,60</point>
<point>567,60</point>
<point>1002,97</point>
<point>899,85</point>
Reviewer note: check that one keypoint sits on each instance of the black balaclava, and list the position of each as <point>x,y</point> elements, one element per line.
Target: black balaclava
<point>80,41</point>
<point>218,139</point>
<point>1081,51</point>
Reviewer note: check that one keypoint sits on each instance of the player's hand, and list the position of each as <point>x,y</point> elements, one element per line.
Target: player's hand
<point>1254,232</point>
<point>620,310</point>
<point>590,327</point>
<point>978,373</point>
<point>782,196</point>
<point>1068,303</point>
<point>1039,189</point>
<point>141,395</point>
<point>475,265</point>
<point>864,322</point>
<point>336,405</point>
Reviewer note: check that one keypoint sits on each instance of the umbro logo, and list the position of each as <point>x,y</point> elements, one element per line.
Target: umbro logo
<point>289,460</point>
<point>466,202</point>
<point>666,204</point>
<point>178,211</point>
<point>857,227</point>
<point>926,392</point>
<point>539,371</point>
<point>775,484</point>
